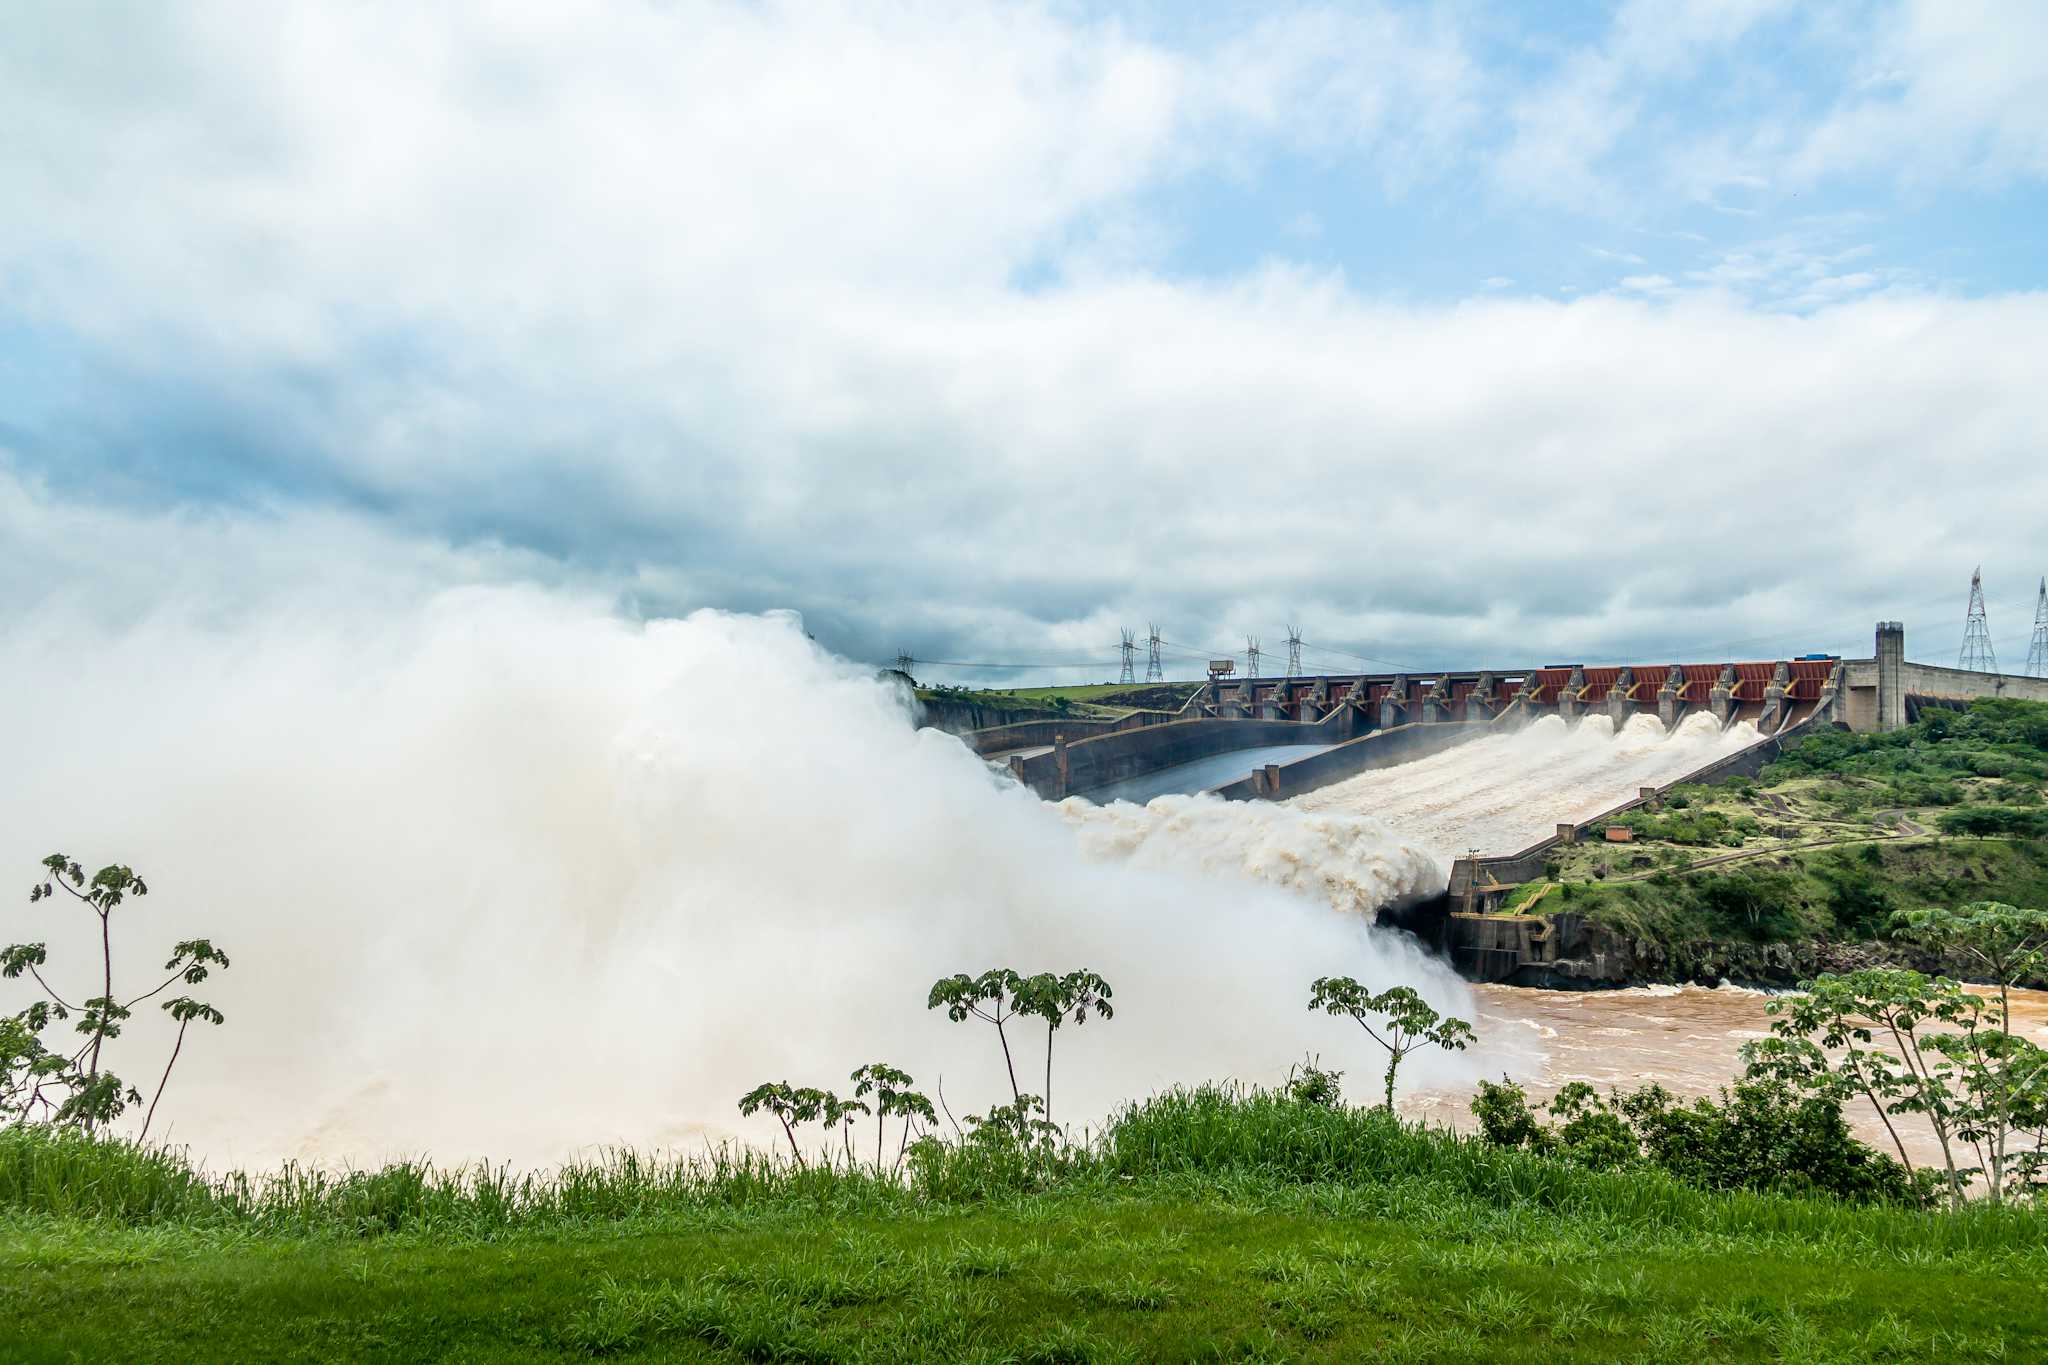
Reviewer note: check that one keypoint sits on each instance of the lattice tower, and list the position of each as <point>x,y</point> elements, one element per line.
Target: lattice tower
<point>2037,653</point>
<point>1251,657</point>
<point>1130,654</point>
<point>1293,652</point>
<point>1153,672</point>
<point>1976,653</point>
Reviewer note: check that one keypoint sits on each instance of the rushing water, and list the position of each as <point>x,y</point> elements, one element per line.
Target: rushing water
<point>1502,793</point>
<point>1684,1038</point>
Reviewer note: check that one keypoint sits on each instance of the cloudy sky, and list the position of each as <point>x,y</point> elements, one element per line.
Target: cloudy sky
<point>982,330</point>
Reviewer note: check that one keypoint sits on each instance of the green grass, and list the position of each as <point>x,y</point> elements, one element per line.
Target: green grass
<point>1202,1225</point>
<point>1098,701</point>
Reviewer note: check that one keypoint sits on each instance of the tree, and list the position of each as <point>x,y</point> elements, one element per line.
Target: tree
<point>795,1105</point>
<point>1824,1041</point>
<point>2000,1075</point>
<point>1055,999</point>
<point>990,997</point>
<point>2008,943</point>
<point>1406,1020</point>
<point>893,1099</point>
<point>32,1076</point>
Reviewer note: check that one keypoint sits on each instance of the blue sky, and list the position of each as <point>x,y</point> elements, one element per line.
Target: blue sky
<point>983,330</point>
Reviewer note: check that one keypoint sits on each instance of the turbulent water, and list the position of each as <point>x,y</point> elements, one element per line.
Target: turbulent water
<point>1504,792</point>
<point>504,875</point>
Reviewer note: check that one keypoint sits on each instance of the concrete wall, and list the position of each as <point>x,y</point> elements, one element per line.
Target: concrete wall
<point>1102,759</point>
<point>1380,749</point>
<point>1027,734</point>
<point>1881,692</point>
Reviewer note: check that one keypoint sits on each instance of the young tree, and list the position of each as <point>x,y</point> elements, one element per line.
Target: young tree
<point>2008,943</point>
<point>834,1112</point>
<point>893,1099</point>
<point>796,1105</point>
<point>1827,1044</point>
<point>790,1106</point>
<point>1056,999</point>
<point>1397,1019</point>
<point>990,997</point>
<point>92,1094</point>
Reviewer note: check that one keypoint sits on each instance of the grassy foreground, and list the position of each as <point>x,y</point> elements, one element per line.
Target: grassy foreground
<point>1208,1225</point>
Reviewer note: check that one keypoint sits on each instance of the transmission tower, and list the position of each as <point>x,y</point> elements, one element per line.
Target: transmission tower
<point>2037,653</point>
<point>1251,657</point>
<point>1130,652</point>
<point>1976,654</point>
<point>1153,672</point>
<point>903,662</point>
<point>1293,652</point>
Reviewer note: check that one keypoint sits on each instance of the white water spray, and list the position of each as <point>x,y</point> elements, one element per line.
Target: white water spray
<point>503,875</point>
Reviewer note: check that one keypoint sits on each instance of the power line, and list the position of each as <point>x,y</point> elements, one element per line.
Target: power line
<point>904,660</point>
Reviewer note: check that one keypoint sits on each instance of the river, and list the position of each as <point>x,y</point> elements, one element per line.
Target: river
<point>1684,1038</point>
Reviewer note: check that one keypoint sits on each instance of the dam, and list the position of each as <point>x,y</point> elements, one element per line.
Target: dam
<point>1488,770</point>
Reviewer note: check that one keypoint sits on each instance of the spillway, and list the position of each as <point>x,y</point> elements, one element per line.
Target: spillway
<point>1504,792</point>
<point>1197,775</point>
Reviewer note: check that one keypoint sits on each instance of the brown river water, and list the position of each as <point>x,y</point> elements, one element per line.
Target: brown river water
<point>1684,1038</point>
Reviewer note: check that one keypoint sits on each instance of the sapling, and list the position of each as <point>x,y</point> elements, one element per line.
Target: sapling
<point>1056,999</point>
<point>92,1095</point>
<point>893,1099</point>
<point>1406,1020</point>
<point>990,997</point>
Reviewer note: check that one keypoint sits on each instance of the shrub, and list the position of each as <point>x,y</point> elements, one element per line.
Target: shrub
<point>2007,821</point>
<point>1761,1137</point>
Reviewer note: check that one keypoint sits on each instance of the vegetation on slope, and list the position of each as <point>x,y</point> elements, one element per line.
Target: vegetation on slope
<point>1831,840</point>
<point>1088,701</point>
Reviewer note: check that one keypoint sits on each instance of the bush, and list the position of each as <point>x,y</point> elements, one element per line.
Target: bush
<point>2014,822</point>
<point>1761,1138</point>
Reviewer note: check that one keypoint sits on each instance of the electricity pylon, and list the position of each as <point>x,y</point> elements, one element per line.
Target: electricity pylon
<point>1293,651</point>
<point>2037,653</point>
<point>1153,672</point>
<point>1130,651</point>
<point>1976,653</point>
<point>1251,657</point>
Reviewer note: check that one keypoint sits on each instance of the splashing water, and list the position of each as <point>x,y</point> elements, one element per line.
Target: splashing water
<point>503,875</point>
<point>1501,793</point>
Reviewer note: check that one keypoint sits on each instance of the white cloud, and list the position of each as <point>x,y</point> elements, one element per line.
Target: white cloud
<point>1950,90</point>
<point>723,305</point>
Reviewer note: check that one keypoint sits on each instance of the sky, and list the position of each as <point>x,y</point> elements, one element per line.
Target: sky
<point>1457,334</point>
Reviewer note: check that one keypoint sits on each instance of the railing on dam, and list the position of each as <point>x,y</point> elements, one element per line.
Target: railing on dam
<point>1768,690</point>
